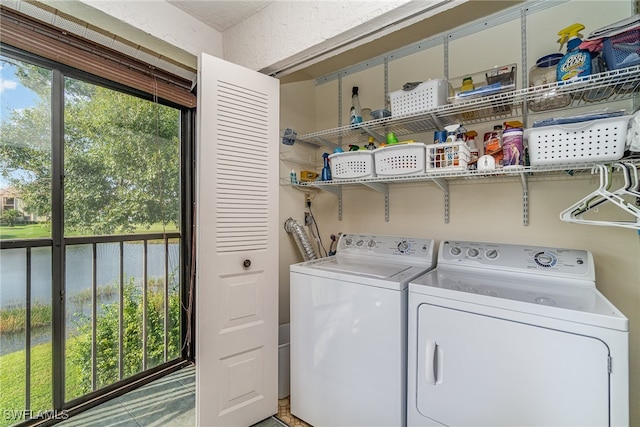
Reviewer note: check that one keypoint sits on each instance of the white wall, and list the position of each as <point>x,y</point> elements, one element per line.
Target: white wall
<point>485,210</point>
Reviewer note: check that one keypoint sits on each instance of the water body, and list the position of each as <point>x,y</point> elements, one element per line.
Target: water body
<point>78,278</point>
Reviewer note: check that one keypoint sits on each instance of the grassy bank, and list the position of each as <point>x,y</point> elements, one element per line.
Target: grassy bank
<point>12,382</point>
<point>35,231</point>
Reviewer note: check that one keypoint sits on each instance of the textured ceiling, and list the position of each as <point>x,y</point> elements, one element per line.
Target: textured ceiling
<point>220,15</point>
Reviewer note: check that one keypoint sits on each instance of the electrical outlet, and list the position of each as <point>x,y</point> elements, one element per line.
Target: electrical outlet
<point>307,200</point>
<point>308,219</point>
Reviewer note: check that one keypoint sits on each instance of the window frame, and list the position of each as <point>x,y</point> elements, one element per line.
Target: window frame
<point>57,240</point>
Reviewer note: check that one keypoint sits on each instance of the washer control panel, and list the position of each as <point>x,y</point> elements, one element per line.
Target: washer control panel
<point>517,258</point>
<point>380,245</point>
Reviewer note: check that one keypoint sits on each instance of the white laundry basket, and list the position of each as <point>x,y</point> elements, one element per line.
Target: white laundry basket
<point>283,361</point>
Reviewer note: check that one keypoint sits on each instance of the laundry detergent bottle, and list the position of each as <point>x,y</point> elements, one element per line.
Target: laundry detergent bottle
<point>576,62</point>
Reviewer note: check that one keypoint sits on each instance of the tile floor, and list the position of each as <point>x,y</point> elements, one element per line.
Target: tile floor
<point>169,402</point>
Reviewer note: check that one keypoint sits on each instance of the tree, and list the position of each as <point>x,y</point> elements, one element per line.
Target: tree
<point>9,217</point>
<point>79,350</point>
<point>121,156</point>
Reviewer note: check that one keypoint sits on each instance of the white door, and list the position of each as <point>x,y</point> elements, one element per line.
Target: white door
<point>486,371</point>
<point>237,245</point>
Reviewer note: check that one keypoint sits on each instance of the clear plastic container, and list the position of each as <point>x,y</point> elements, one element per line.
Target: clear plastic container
<point>541,75</point>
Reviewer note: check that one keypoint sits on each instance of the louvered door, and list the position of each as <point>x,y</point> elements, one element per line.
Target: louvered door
<point>237,245</point>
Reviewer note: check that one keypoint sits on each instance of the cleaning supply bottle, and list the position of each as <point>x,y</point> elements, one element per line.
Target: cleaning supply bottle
<point>356,111</point>
<point>452,132</point>
<point>371,145</point>
<point>474,153</point>
<point>326,170</point>
<point>576,62</point>
<point>293,177</point>
<point>493,145</point>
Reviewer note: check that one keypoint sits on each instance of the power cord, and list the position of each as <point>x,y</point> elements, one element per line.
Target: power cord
<point>313,219</point>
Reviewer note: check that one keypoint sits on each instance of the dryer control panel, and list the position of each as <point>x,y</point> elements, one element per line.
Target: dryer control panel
<point>416,249</point>
<point>570,263</point>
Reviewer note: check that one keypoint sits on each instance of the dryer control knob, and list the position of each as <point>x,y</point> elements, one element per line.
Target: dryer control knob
<point>455,250</point>
<point>473,252</point>
<point>360,243</point>
<point>372,243</point>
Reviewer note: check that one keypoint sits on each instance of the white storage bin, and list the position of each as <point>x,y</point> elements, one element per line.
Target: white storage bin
<point>425,96</point>
<point>583,142</point>
<point>352,165</point>
<point>449,156</point>
<point>400,160</point>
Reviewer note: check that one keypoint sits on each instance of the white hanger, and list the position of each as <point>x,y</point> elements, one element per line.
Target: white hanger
<point>603,195</point>
<point>635,182</point>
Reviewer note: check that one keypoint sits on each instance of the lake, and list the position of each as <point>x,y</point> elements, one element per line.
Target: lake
<point>78,277</point>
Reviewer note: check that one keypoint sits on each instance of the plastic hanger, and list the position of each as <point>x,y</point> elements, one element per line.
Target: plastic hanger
<point>603,195</point>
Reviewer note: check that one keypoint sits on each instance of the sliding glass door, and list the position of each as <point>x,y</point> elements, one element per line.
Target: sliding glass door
<point>91,270</point>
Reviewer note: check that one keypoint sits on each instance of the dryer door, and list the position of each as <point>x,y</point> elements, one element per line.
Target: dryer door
<point>486,371</point>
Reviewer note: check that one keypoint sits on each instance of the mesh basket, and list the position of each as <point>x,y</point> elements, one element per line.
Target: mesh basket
<point>622,50</point>
<point>425,96</point>
<point>352,165</point>
<point>403,159</point>
<point>448,156</point>
<point>595,140</point>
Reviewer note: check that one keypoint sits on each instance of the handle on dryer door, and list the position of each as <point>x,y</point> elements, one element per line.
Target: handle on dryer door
<point>430,363</point>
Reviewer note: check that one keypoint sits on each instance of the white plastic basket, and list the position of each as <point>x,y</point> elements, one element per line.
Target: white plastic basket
<point>399,160</point>
<point>352,165</point>
<point>425,96</point>
<point>449,156</point>
<point>595,140</point>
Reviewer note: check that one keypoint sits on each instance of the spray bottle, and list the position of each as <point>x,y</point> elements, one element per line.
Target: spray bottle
<point>326,170</point>
<point>577,62</point>
<point>356,111</point>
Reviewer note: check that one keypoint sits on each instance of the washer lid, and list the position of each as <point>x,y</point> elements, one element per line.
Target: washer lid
<point>548,296</point>
<point>364,268</point>
<point>361,270</point>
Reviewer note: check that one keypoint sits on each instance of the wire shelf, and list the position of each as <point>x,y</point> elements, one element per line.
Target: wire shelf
<point>571,169</point>
<point>609,86</point>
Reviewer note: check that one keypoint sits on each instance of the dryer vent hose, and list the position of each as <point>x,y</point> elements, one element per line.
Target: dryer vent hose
<point>292,227</point>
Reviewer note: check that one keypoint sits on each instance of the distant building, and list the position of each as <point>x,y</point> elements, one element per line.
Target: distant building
<point>10,200</point>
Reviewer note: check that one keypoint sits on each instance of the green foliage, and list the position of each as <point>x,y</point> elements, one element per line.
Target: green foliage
<point>9,217</point>
<point>121,156</point>
<point>78,352</point>
<point>13,319</point>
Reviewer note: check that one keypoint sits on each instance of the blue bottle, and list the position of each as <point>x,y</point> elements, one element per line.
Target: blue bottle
<point>326,170</point>
<point>577,62</point>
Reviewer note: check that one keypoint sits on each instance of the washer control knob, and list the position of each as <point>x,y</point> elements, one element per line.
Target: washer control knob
<point>492,254</point>
<point>404,246</point>
<point>348,241</point>
<point>473,252</point>
<point>246,263</point>
<point>372,243</point>
<point>455,250</point>
<point>359,243</point>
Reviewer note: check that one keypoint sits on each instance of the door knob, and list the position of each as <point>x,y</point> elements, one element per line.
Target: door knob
<point>246,263</point>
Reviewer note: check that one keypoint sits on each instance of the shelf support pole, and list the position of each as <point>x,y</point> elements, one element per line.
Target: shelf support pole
<point>384,189</point>
<point>525,198</point>
<point>444,186</point>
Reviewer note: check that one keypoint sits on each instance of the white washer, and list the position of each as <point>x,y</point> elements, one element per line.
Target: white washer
<point>348,331</point>
<point>506,335</point>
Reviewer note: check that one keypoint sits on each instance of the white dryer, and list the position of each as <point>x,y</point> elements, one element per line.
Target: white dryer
<point>348,331</point>
<point>510,335</point>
